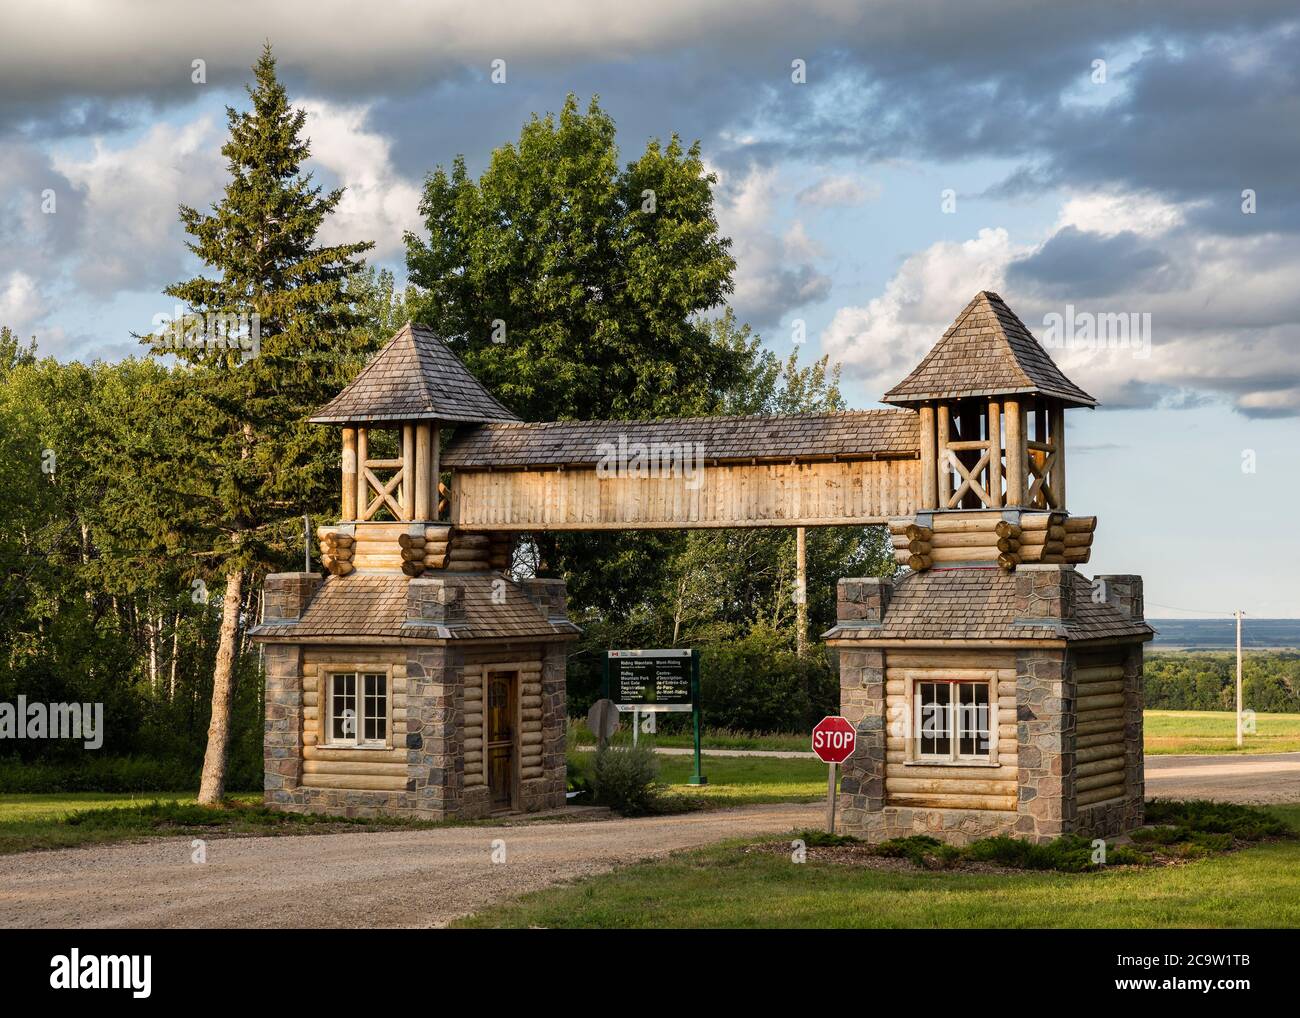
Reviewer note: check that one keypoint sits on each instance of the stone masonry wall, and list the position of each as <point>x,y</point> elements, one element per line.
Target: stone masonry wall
<point>1045,744</point>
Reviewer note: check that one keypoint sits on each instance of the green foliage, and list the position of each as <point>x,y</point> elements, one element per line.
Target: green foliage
<point>1207,681</point>
<point>758,684</point>
<point>1067,854</point>
<point>921,850</point>
<point>95,773</point>
<point>626,779</point>
<point>814,837</point>
<point>1244,823</point>
<point>1192,830</point>
<point>600,298</point>
<point>578,774</point>
<point>236,464</point>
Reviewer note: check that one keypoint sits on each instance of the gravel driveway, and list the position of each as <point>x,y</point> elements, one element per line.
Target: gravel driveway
<point>1259,780</point>
<point>402,878</point>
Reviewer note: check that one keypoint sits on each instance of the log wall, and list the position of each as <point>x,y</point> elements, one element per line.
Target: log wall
<point>326,766</point>
<point>950,787</point>
<point>526,663</point>
<point>1100,744</point>
<point>725,495</point>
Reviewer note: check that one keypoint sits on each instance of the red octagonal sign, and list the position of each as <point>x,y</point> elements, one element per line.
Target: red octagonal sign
<point>834,739</point>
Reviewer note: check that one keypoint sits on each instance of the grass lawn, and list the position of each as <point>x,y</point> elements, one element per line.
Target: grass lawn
<point>710,738</point>
<point>726,886</point>
<point>75,819</point>
<point>23,806</point>
<point>1197,731</point>
<point>743,780</point>
<point>1167,731</point>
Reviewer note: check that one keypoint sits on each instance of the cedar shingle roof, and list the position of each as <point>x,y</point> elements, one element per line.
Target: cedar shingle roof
<point>375,605</point>
<point>415,377</point>
<point>987,351</point>
<point>978,604</point>
<point>850,434</point>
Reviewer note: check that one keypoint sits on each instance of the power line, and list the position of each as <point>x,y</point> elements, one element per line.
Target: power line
<point>1192,611</point>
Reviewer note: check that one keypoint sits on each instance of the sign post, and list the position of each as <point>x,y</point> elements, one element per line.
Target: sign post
<point>657,682</point>
<point>833,740</point>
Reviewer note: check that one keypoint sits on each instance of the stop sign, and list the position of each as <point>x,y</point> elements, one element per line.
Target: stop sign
<point>834,739</point>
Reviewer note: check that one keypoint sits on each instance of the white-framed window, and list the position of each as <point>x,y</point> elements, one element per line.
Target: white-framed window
<point>358,708</point>
<point>953,721</point>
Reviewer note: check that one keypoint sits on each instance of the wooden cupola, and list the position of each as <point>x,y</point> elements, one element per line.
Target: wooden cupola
<point>992,414</point>
<point>413,386</point>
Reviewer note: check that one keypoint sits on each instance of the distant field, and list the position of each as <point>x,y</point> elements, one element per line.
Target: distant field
<point>1202,731</point>
<point>1221,634</point>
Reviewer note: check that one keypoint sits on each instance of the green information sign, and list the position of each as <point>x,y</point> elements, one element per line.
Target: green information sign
<point>651,680</point>
<point>657,681</point>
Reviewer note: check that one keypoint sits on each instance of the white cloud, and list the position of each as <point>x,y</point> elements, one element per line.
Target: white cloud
<point>378,204</point>
<point>838,192</point>
<point>1111,212</point>
<point>776,270</point>
<point>884,339</point>
<point>1230,327</point>
<point>21,303</point>
<point>130,237</point>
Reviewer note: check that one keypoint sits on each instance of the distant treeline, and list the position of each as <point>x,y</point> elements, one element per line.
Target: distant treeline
<point>1207,681</point>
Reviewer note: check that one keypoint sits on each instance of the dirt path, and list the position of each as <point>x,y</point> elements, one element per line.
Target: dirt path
<point>405,878</point>
<point>1248,779</point>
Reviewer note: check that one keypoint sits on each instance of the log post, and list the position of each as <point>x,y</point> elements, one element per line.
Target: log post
<point>420,472</point>
<point>1058,441</point>
<point>929,473</point>
<point>363,488</point>
<point>941,452</point>
<point>409,481</point>
<point>349,473</point>
<point>435,467</point>
<point>1015,416</point>
<point>995,454</point>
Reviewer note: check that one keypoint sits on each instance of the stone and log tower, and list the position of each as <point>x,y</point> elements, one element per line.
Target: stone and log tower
<point>996,690</point>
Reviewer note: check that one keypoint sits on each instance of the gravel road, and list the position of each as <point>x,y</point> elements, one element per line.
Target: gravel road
<point>403,878</point>
<point>428,878</point>
<point>1257,780</point>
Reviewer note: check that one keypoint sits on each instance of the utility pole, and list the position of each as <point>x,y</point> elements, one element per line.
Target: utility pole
<point>801,589</point>
<point>1239,613</point>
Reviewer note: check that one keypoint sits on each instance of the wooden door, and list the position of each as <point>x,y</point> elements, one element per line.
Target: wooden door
<point>501,729</point>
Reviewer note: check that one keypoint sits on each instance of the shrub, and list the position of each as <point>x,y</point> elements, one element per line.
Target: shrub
<point>921,849</point>
<point>106,774</point>
<point>1067,854</point>
<point>1244,823</point>
<point>816,838</point>
<point>626,779</point>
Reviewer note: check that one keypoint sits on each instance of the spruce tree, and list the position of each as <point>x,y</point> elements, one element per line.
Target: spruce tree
<point>240,464</point>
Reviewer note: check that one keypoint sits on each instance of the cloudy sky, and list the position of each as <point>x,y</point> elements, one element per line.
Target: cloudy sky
<point>1081,158</point>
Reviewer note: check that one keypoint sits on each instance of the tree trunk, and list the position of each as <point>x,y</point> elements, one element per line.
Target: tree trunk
<point>801,590</point>
<point>213,784</point>
<point>176,640</point>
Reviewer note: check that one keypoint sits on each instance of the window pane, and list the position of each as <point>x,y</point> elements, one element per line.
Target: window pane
<point>973,719</point>
<point>343,707</point>
<point>935,721</point>
<point>375,719</point>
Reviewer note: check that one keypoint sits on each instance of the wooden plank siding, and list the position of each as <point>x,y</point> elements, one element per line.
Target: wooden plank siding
<point>829,493</point>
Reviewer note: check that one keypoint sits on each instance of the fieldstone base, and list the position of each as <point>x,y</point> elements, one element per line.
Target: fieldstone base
<point>954,826</point>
